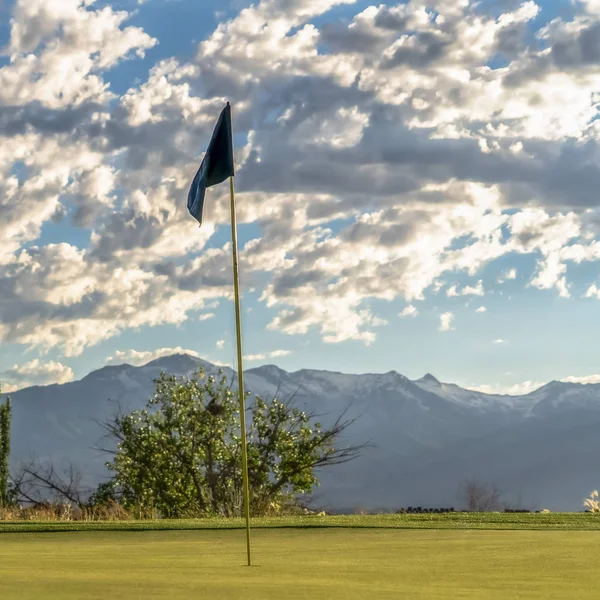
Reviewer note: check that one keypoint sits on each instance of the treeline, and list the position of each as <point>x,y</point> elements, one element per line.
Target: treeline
<point>180,456</point>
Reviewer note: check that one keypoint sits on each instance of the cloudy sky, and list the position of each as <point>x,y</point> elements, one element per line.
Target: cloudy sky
<point>417,186</point>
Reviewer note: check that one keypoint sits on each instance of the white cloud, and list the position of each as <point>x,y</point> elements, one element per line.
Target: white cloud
<point>508,275</point>
<point>35,372</point>
<point>467,290</point>
<point>102,299</point>
<point>436,286</point>
<point>253,357</point>
<point>266,355</point>
<point>593,292</point>
<point>219,363</point>
<point>342,129</point>
<point>409,311</point>
<point>220,344</point>
<point>446,320</point>
<point>586,379</point>
<point>137,358</point>
<point>455,142</point>
<point>57,48</point>
<point>592,7</point>
<point>481,309</point>
<point>499,341</point>
<point>526,387</point>
<point>516,389</point>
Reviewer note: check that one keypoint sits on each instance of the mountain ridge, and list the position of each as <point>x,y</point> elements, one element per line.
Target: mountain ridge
<point>427,436</point>
<point>199,362</point>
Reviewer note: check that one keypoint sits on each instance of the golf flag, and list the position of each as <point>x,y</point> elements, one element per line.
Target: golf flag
<point>216,166</point>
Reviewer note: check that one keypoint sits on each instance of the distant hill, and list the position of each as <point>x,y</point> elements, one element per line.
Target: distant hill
<point>542,449</point>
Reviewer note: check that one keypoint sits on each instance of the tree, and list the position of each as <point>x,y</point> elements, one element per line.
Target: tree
<point>40,482</point>
<point>481,497</point>
<point>181,454</point>
<point>5,415</point>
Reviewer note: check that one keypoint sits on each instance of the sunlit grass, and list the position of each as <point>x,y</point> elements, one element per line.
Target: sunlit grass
<point>333,563</point>
<point>531,521</point>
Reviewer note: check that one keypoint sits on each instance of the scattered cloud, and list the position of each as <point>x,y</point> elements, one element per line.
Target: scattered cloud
<point>593,292</point>
<point>586,379</point>
<point>472,163</point>
<point>267,355</point>
<point>481,309</point>
<point>446,320</point>
<point>35,372</point>
<point>526,387</point>
<point>219,363</point>
<point>515,389</point>
<point>410,311</point>
<point>499,341</point>
<point>508,275</point>
<point>468,290</point>
<point>220,344</point>
<point>137,358</point>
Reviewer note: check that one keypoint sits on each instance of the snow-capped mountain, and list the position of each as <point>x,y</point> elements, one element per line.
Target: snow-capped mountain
<point>541,449</point>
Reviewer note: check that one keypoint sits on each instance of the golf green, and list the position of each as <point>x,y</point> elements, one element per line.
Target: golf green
<point>329,563</point>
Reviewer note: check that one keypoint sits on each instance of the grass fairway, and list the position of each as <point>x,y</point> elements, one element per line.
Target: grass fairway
<point>544,521</point>
<point>316,563</point>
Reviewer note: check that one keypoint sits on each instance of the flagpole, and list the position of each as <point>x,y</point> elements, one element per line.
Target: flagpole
<point>238,327</point>
<point>216,166</point>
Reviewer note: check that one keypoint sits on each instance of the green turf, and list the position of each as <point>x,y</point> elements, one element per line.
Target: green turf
<point>532,521</point>
<point>292,564</point>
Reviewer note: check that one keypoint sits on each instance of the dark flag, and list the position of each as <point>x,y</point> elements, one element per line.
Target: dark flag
<point>216,166</point>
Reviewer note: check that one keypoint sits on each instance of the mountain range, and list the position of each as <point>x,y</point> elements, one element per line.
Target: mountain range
<point>541,450</point>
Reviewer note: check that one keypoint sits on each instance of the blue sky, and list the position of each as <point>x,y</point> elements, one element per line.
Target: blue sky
<point>343,222</point>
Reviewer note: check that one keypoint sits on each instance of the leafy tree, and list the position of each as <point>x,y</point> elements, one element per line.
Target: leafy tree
<point>5,414</point>
<point>181,455</point>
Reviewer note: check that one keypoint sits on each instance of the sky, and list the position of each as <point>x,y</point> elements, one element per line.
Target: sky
<point>417,186</point>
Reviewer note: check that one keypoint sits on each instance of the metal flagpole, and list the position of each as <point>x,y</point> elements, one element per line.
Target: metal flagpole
<point>238,327</point>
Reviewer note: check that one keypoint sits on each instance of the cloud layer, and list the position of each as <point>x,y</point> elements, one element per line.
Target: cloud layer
<point>418,141</point>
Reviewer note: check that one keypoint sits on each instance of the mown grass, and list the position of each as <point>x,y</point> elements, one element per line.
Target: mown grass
<point>525,521</point>
<point>334,563</point>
